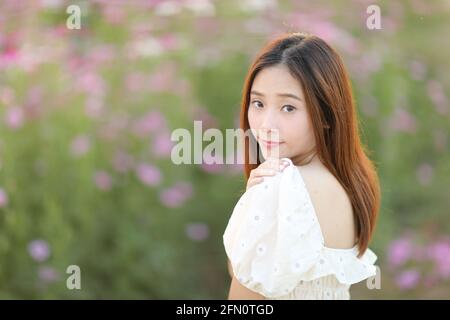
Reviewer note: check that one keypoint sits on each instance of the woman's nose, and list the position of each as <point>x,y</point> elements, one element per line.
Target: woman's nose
<point>269,123</point>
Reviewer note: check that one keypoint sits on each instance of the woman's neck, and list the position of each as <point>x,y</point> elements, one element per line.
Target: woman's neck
<point>311,159</point>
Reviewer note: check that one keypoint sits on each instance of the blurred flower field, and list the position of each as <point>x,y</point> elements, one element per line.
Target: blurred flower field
<point>86,119</point>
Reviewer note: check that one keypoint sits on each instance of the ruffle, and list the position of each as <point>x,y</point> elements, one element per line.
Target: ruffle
<point>273,239</point>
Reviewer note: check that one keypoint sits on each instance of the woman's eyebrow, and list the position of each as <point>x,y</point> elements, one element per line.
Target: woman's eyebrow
<point>289,95</point>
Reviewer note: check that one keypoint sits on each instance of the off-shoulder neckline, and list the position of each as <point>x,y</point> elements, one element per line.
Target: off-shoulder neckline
<point>352,249</point>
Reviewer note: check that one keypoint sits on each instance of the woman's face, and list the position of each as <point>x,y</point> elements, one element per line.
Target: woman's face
<point>277,113</point>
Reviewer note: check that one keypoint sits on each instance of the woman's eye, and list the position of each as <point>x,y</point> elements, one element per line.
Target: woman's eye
<point>257,104</point>
<point>288,108</point>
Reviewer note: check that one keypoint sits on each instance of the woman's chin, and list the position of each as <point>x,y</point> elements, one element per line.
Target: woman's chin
<point>272,153</point>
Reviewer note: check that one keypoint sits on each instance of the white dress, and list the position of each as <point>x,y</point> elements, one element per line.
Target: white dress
<point>276,247</point>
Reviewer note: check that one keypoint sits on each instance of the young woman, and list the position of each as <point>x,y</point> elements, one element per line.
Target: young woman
<point>302,228</point>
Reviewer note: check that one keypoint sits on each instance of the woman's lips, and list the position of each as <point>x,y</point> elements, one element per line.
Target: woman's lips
<point>271,144</point>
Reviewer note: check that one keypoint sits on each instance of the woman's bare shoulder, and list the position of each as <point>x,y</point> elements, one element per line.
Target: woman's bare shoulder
<point>332,206</point>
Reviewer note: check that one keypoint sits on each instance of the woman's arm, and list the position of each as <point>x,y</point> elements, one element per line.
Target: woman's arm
<point>230,269</point>
<point>240,292</point>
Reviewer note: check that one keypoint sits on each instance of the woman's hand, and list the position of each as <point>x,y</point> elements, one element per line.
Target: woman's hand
<point>270,167</point>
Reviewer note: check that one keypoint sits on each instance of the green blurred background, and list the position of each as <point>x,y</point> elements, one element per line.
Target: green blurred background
<point>86,115</point>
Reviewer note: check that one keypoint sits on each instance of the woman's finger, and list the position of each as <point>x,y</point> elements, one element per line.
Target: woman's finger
<point>254,181</point>
<point>275,164</point>
<point>264,172</point>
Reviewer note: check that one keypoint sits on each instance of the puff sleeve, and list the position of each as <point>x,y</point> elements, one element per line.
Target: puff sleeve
<point>273,239</point>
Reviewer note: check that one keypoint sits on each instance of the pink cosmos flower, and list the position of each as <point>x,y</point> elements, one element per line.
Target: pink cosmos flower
<point>122,162</point>
<point>151,122</point>
<point>39,250</point>
<point>436,92</point>
<point>162,144</point>
<point>439,252</point>
<point>103,180</point>
<point>15,117</point>
<point>148,174</point>
<point>3,198</point>
<point>80,145</point>
<point>176,195</point>
<point>403,121</point>
<point>47,274</point>
<point>197,231</point>
<point>407,279</point>
<point>400,251</point>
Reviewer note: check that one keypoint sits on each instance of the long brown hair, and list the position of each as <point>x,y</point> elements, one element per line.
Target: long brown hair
<point>329,101</point>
